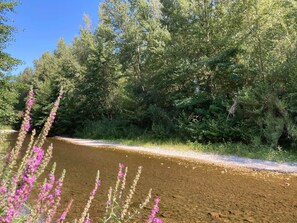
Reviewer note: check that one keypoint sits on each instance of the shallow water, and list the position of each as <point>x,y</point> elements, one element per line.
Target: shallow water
<point>189,191</point>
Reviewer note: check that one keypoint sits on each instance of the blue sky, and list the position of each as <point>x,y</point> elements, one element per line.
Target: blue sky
<point>41,23</point>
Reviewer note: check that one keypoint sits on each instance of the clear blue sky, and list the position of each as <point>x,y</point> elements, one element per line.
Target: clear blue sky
<point>41,23</point>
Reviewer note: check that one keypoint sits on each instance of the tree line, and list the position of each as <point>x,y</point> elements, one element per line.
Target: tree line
<point>193,70</point>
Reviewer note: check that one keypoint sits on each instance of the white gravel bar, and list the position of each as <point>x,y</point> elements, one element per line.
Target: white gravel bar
<point>222,160</point>
<point>7,131</point>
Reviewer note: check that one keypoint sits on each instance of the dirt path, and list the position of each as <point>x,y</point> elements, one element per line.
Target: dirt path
<point>189,191</point>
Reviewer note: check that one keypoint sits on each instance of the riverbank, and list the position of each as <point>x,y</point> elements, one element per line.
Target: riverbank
<point>190,192</point>
<point>234,149</point>
<point>7,131</point>
<point>222,154</point>
<point>213,193</point>
<point>186,153</point>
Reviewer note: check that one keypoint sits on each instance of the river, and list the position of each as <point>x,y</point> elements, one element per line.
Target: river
<point>189,191</point>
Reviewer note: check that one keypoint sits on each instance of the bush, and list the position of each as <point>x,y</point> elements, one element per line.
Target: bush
<point>210,122</point>
<point>109,129</point>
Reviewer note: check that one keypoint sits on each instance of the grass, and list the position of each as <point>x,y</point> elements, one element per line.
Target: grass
<point>111,132</point>
<point>249,151</point>
<point>6,127</point>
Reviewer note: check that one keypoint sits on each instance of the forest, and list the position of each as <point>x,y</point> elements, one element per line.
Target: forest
<point>205,71</point>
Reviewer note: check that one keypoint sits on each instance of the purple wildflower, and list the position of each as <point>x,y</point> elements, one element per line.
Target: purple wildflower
<point>158,220</point>
<point>65,212</point>
<point>52,115</point>
<point>13,155</point>
<point>3,190</point>
<point>45,189</point>
<point>21,194</point>
<point>155,210</point>
<point>30,100</point>
<point>27,124</point>
<point>54,199</point>
<point>87,220</point>
<point>96,188</point>
<point>121,174</point>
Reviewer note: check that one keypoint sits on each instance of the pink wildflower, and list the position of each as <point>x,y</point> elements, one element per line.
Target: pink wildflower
<point>27,124</point>
<point>30,100</point>
<point>121,174</point>
<point>96,188</point>
<point>158,220</point>
<point>21,194</point>
<point>52,115</point>
<point>46,187</point>
<point>155,210</point>
<point>13,155</point>
<point>3,190</point>
<point>65,212</point>
<point>54,199</point>
<point>87,220</point>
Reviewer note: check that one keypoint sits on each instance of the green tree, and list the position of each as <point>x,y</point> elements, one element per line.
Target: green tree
<point>8,99</point>
<point>204,70</point>
<point>140,43</point>
<point>6,34</point>
<point>45,82</point>
<point>8,94</point>
<point>101,72</point>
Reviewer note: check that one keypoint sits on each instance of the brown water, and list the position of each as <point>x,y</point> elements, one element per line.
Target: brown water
<point>189,191</point>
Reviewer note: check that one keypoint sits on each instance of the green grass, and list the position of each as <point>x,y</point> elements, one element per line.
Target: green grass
<point>250,151</point>
<point>130,135</point>
<point>6,127</point>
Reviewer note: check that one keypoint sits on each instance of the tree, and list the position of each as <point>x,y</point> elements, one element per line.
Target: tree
<point>6,33</point>
<point>8,98</point>
<point>95,51</point>
<point>204,70</point>
<point>8,94</point>
<point>140,44</point>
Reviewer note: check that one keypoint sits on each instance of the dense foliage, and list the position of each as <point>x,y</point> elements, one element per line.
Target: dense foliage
<point>8,89</point>
<point>199,70</point>
<point>6,61</point>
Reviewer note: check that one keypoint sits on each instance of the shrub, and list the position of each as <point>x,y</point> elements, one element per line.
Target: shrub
<point>109,129</point>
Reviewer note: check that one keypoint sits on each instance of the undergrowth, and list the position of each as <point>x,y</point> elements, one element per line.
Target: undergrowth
<point>254,151</point>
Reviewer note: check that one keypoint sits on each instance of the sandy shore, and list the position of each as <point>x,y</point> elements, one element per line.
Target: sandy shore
<point>221,160</point>
<point>7,131</point>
